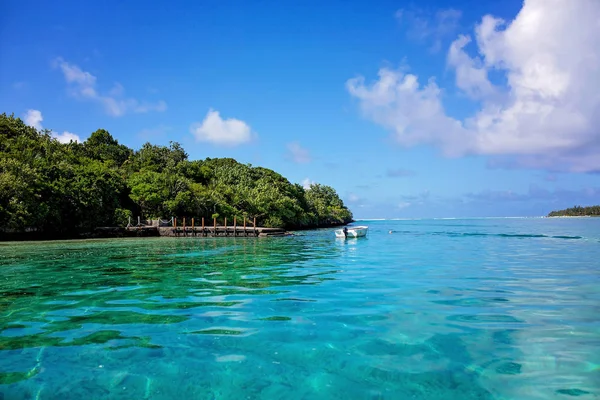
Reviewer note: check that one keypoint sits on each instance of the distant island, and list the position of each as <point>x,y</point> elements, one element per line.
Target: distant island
<point>577,211</point>
<point>61,190</point>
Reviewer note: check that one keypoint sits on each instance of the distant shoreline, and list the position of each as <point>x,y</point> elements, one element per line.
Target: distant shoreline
<point>576,212</point>
<point>470,218</point>
<point>574,216</point>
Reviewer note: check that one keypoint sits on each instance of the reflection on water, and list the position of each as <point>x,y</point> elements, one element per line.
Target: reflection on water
<point>508,312</point>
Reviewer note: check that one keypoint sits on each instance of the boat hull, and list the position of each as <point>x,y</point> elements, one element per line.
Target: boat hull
<point>354,232</point>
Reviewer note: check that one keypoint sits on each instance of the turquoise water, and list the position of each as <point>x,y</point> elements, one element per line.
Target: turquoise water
<point>438,309</point>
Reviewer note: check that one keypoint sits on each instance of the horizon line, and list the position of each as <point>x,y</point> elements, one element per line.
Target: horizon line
<point>444,218</point>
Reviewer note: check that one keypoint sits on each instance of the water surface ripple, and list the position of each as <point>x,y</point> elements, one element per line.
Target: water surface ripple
<point>437,309</point>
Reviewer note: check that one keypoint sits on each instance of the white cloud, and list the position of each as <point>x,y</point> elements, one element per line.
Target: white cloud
<point>298,154</point>
<point>307,183</point>
<point>219,131</point>
<point>415,113</point>
<point>82,85</point>
<point>471,75</point>
<point>548,114</point>
<point>34,119</point>
<point>66,137</point>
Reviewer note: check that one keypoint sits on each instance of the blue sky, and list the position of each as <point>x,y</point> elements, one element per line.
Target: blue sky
<point>423,109</point>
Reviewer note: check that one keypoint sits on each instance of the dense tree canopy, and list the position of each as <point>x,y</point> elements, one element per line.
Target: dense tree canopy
<point>577,211</point>
<point>53,187</point>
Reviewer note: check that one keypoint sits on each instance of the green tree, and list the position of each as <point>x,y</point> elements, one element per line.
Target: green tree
<point>102,146</point>
<point>577,211</point>
<point>53,187</point>
<point>327,206</point>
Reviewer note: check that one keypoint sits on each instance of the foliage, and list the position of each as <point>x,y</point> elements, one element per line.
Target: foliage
<point>122,216</point>
<point>577,211</point>
<point>51,187</point>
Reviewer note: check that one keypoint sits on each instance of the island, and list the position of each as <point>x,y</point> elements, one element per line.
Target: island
<point>577,211</point>
<point>60,190</point>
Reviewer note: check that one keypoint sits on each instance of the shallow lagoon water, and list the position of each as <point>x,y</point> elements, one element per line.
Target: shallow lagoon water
<point>438,309</point>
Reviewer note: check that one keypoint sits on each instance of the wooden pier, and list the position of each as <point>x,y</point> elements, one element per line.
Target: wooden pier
<point>215,230</point>
<point>221,231</point>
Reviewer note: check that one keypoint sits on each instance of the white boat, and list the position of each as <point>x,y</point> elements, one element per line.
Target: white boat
<point>353,232</point>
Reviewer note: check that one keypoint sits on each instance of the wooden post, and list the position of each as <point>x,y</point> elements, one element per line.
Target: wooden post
<point>234,225</point>
<point>192,223</point>
<point>254,226</point>
<point>174,222</point>
<point>183,223</point>
<point>203,226</point>
<point>215,230</point>
<point>245,227</point>
<point>225,226</point>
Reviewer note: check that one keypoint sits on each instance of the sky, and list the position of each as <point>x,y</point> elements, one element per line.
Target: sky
<point>432,108</point>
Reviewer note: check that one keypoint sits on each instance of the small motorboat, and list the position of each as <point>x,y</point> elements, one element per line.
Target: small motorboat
<point>352,232</point>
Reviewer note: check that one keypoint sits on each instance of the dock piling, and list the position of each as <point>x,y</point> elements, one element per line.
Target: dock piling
<point>187,229</point>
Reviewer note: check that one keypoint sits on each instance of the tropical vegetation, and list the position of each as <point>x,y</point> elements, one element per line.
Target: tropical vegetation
<point>577,211</point>
<point>48,186</point>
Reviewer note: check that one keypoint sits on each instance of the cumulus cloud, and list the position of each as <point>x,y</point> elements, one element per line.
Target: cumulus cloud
<point>307,183</point>
<point>471,75</point>
<point>414,112</point>
<point>546,116</point>
<point>219,131</point>
<point>82,85</point>
<point>298,154</point>
<point>34,119</point>
<point>66,137</point>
